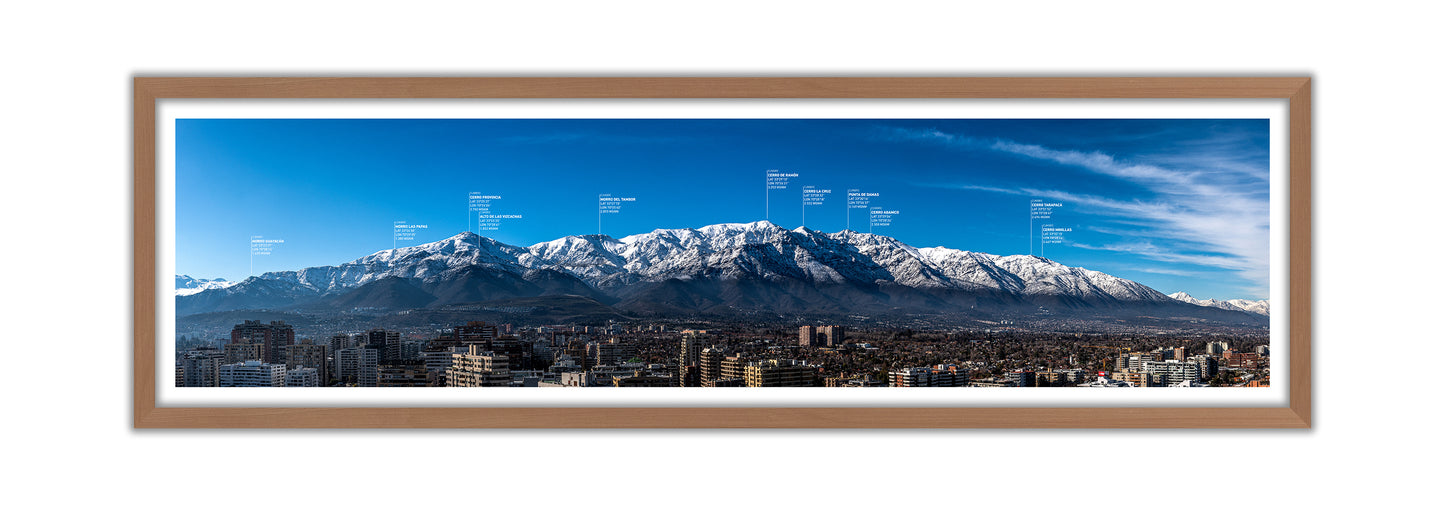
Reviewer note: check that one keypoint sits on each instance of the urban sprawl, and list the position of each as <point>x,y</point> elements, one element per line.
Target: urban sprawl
<point>479,354</point>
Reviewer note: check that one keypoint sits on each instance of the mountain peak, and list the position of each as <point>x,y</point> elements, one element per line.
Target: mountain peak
<point>1184,297</point>
<point>1030,258</point>
<point>464,240</point>
<point>760,225</point>
<point>574,241</point>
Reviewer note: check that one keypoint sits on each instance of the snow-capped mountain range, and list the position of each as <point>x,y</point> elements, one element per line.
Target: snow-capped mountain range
<point>186,285</point>
<point>747,265</point>
<point>1252,306</point>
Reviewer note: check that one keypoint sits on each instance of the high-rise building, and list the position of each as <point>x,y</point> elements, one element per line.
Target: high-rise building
<point>1121,363</point>
<point>710,365</point>
<point>734,367</point>
<point>1172,372</point>
<point>478,368</point>
<point>1134,362</point>
<point>252,374</point>
<point>609,353</point>
<point>780,373</point>
<point>1216,347</point>
<point>302,377</point>
<point>487,336</point>
<point>577,351</point>
<point>476,332</point>
<point>1207,364</point>
<point>825,335</point>
<point>407,373</point>
<point>942,375</point>
<point>242,352</point>
<point>200,367</point>
<point>688,376</point>
<point>411,348</point>
<point>340,342</point>
<point>309,355</point>
<point>275,337</point>
<point>438,360</point>
<point>543,351</point>
<point>689,356</point>
<point>357,366</point>
<point>518,352</point>
<point>386,342</point>
<point>1240,360</point>
<point>832,335</point>
<point>807,336</point>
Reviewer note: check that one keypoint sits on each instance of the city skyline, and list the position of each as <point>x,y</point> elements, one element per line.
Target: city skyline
<point>649,354</point>
<point>1179,205</point>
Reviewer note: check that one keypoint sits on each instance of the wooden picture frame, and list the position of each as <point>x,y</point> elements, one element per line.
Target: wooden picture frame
<point>149,90</point>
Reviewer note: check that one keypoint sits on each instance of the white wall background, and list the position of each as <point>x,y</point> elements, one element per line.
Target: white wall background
<point>67,435</point>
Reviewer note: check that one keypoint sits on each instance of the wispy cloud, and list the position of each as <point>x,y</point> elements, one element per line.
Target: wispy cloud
<point>1188,273</point>
<point>1169,272</point>
<point>1194,211</point>
<point>1097,162</point>
<point>1150,250</point>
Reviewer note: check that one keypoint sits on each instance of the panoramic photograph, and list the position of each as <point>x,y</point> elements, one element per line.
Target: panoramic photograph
<point>846,253</point>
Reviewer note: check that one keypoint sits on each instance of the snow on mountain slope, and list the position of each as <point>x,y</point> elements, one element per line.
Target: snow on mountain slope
<point>186,285</point>
<point>425,261</point>
<point>1042,276</point>
<point>588,256</point>
<point>1250,306</point>
<point>1253,306</point>
<point>737,251</point>
<point>974,269</point>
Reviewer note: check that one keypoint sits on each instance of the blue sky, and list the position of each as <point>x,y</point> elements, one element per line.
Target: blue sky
<point>1175,204</point>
